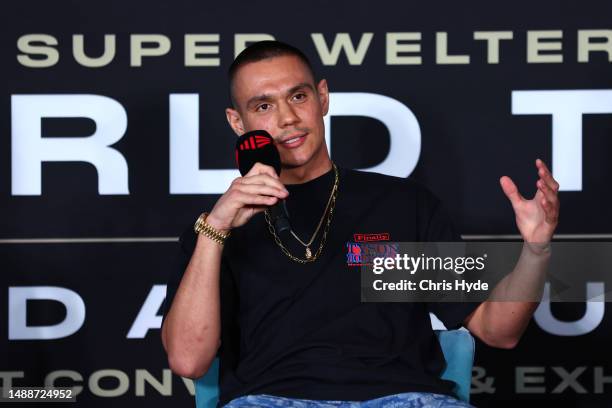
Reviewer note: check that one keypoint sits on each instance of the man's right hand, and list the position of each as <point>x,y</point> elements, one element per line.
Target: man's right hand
<point>247,196</point>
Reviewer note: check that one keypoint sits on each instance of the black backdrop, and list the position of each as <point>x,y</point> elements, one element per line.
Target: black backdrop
<point>469,138</point>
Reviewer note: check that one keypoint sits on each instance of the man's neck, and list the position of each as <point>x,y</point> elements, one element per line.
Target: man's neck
<point>302,174</point>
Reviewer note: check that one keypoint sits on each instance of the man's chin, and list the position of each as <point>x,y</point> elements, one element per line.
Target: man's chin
<point>300,160</point>
<point>292,164</point>
<point>294,160</point>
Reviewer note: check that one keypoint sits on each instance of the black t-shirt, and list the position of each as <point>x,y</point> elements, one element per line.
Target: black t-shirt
<point>300,330</point>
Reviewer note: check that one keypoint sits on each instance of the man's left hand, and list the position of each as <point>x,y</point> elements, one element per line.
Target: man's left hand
<point>537,218</point>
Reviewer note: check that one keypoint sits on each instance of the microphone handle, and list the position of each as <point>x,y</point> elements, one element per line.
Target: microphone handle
<point>280,217</point>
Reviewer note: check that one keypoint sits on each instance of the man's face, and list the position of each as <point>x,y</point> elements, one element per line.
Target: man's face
<point>279,95</point>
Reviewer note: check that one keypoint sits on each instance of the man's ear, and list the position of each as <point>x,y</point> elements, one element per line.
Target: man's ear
<point>235,121</point>
<point>323,96</point>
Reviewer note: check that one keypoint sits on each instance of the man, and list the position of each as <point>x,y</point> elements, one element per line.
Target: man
<point>283,312</point>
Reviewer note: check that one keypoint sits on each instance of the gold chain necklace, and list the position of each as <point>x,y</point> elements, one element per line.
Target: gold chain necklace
<point>314,234</point>
<point>329,210</point>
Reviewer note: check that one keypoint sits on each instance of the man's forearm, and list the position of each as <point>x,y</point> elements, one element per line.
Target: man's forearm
<point>515,298</point>
<point>526,281</point>
<point>191,330</point>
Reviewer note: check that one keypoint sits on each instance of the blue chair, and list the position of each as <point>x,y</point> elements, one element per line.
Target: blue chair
<point>207,387</point>
<point>457,346</point>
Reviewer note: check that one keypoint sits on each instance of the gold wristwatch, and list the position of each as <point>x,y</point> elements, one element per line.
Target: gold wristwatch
<point>202,227</point>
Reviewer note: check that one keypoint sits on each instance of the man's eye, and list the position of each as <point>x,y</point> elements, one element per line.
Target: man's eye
<point>263,107</point>
<point>299,97</point>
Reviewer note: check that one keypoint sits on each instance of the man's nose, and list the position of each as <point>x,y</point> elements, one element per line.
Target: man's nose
<point>287,115</point>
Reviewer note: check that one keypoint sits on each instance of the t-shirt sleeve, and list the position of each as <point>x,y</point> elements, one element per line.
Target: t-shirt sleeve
<point>438,227</point>
<point>452,314</point>
<point>435,224</point>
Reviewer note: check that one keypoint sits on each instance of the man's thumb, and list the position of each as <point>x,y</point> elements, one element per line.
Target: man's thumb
<point>510,190</point>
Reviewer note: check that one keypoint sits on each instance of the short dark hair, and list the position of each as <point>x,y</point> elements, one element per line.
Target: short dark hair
<point>260,51</point>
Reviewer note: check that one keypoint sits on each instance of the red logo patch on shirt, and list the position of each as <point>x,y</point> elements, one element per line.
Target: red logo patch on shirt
<point>363,253</point>
<point>366,246</point>
<point>381,236</point>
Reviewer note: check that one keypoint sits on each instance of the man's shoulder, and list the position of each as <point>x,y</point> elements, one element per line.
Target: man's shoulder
<point>384,183</point>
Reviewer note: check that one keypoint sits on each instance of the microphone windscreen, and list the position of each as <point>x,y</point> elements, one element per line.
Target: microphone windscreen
<point>256,146</point>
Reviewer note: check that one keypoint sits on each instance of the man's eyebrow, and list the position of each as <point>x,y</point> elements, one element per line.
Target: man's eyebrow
<point>300,86</point>
<point>259,98</point>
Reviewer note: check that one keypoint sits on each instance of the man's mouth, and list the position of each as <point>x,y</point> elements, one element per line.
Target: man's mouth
<point>294,141</point>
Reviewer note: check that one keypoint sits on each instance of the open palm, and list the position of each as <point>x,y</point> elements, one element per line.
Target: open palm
<point>536,218</point>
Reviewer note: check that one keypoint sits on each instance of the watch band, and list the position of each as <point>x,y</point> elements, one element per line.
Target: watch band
<point>202,227</point>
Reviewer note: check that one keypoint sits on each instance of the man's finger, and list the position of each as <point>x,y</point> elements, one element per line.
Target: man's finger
<point>264,179</point>
<point>510,190</point>
<point>540,163</point>
<point>262,189</point>
<point>550,210</point>
<point>549,202</point>
<point>549,194</point>
<point>244,199</point>
<point>259,168</point>
<point>545,174</point>
<point>258,208</point>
